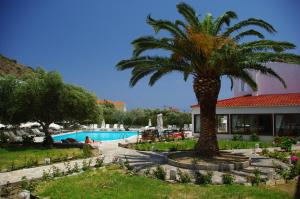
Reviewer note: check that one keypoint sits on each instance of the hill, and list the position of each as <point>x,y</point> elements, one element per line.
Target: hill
<point>10,66</point>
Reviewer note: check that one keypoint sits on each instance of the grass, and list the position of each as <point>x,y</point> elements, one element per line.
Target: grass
<point>115,184</point>
<point>188,144</point>
<point>14,158</point>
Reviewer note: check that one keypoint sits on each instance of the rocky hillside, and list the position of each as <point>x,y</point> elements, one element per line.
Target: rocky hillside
<point>10,66</point>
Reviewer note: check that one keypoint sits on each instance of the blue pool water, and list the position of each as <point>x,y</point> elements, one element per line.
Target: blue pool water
<point>96,135</point>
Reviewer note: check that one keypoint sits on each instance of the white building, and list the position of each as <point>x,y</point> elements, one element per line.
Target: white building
<point>270,111</point>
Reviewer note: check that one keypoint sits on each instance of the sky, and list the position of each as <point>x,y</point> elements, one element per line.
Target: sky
<point>85,39</point>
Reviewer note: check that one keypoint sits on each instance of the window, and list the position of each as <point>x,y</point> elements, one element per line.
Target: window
<point>242,88</point>
<point>197,123</point>
<point>252,123</point>
<point>287,124</point>
<point>222,124</point>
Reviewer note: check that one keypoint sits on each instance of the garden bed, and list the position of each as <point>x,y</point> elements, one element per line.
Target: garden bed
<point>18,156</point>
<point>224,162</point>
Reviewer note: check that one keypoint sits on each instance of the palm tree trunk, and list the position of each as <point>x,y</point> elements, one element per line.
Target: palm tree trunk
<point>207,89</point>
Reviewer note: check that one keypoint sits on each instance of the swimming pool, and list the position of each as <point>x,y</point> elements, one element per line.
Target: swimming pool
<point>96,135</point>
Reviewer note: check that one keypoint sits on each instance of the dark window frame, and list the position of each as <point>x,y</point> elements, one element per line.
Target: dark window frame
<point>276,114</point>
<point>228,132</point>
<point>250,114</point>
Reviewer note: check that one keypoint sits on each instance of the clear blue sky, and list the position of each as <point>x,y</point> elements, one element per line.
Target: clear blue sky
<point>84,39</point>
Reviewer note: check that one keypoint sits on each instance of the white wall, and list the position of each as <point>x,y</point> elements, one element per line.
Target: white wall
<point>269,85</point>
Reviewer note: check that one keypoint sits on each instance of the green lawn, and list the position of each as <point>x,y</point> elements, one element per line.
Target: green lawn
<point>114,184</point>
<point>189,144</point>
<point>33,156</point>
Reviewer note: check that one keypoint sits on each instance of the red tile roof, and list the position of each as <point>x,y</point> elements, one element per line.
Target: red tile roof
<point>288,99</point>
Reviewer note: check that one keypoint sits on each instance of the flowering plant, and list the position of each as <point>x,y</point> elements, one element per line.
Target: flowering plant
<point>294,159</point>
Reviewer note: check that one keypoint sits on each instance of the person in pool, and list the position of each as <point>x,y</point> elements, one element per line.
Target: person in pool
<point>88,140</point>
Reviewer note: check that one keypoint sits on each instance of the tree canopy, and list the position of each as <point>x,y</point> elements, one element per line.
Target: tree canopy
<point>45,98</point>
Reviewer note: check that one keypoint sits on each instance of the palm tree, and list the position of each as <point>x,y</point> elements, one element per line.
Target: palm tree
<point>207,49</point>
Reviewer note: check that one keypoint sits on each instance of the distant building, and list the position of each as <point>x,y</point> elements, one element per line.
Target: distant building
<point>272,110</point>
<point>121,106</point>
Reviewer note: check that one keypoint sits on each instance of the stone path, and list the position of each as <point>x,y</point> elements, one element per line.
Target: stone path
<point>140,160</point>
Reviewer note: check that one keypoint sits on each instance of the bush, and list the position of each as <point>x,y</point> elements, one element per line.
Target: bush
<point>86,165</point>
<point>282,156</point>
<point>201,178</point>
<point>159,173</point>
<point>56,172</point>
<point>257,177</point>
<point>285,142</point>
<point>87,150</point>
<point>26,184</point>
<point>147,172</point>
<point>99,162</point>
<point>254,137</point>
<point>183,177</point>
<point>76,168</point>
<point>127,165</point>
<point>27,139</point>
<point>173,148</point>
<point>265,151</point>
<point>68,168</point>
<point>227,178</point>
<point>237,137</point>
<point>3,137</point>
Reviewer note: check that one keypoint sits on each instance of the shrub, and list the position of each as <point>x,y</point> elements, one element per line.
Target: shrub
<point>285,142</point>
<point>31,162</point>
<point>76,168</point>
<point>147,172</point>
<point>56,172</point>
<point>99,162</point>
<point>87,150</point>
<point>173,148</point>
<point>159,173</point>
<point>27,139</point>
<point>3,138</point>
<point>183,177</point>
<point>26,184</point>
<point>201,178</point>
<point>237,137</point>
<point>254,137</point>
<point>227,178</point>
<point>86,165</point>
<point>127,165</point>
<point>12,165</point>
<point>46,175</point>
<point>265,151</point>
<point>68,168</point>
<point>257,177</point>
<point>282,156</point>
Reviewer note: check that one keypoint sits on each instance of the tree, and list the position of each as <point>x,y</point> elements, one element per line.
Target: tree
<point>79,105</point>
<point>206,50</point>
<point>43,97</point>
<point>108,110</point>
<point>8,85</point>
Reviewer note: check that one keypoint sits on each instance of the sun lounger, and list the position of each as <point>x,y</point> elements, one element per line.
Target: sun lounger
<point>122,127</point>
<point>115,127</point>
<point>107,127</point>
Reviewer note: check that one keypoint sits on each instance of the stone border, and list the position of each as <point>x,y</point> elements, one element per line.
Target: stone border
<point>206,166</point>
